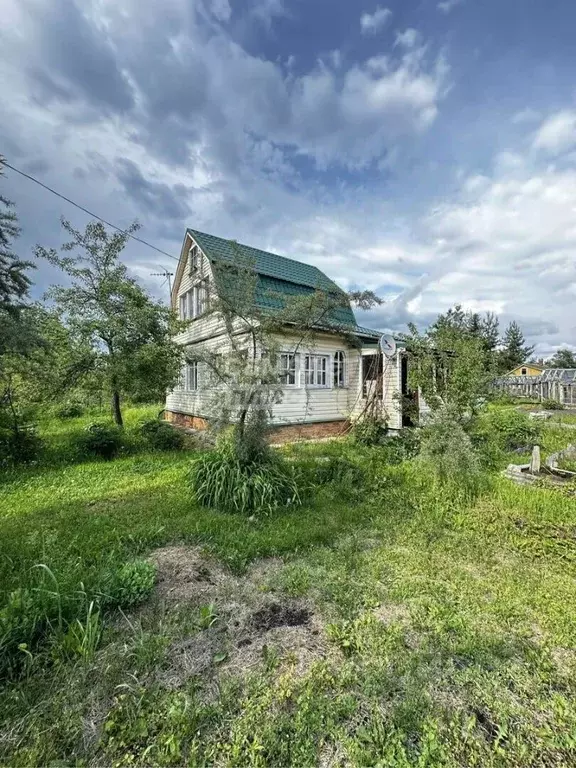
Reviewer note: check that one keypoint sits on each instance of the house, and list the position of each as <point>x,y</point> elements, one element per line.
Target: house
<point>526,369</point>
<point>328,380</point>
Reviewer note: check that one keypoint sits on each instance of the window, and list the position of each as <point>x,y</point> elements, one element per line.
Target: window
<point>194,259</point>
<point>191,376</point>
<point>201,297</point>
<point>287,368</point>
<point>339,370</point>
<point>523,371</point>
<point>184,307</point>
<point>372,373</point>
<point>315,370</point>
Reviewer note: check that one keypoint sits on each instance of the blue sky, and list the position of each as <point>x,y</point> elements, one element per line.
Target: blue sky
<point>425,150</point>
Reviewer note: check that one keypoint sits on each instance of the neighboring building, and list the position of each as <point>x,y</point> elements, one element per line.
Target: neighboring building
<point>328,382</point>
<point>526,369</point>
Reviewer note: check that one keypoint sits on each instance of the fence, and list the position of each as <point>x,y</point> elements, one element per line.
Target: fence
<point>558,384</point>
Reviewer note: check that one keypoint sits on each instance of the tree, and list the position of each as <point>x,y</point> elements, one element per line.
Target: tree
<point>450,365</point>
<point>563,358</point>
<point>514,350</point>
<point>14,280</point>
<point>129,334</point>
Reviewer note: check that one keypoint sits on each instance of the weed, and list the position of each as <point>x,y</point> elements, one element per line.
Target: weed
<point>101,440</point>
<point>161,436</point>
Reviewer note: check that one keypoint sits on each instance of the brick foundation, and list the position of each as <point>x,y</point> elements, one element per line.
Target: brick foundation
<point>286,433</point>
<point>185,420</point>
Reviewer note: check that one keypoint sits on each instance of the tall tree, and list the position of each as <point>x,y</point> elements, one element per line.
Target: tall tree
<point>129,333</point>
<point>14,280</point>
<point>514,350</point>
<point>563,358</point>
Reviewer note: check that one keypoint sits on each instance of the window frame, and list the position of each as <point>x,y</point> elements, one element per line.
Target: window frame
<point>339,370</point>
<point>192,376</point>
<point>193,259</point>
<point>524,371</point>
<point>313,373</point>
<point>290,370</point>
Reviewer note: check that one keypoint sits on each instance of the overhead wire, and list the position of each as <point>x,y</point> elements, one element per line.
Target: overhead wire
<point>85,210</point>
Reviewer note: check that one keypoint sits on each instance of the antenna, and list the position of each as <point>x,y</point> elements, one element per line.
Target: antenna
<point>168,275</point>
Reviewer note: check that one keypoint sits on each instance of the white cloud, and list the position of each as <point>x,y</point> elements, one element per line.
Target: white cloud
<point>370,23</point>
<point>448,5</point>
<point>221,9</point>
<point>527,115</point>
<point>407,39</point>
<point>557,134</point>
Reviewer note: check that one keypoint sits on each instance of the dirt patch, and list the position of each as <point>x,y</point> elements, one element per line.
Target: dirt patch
<point>254,626</point>
<point>279,615</point>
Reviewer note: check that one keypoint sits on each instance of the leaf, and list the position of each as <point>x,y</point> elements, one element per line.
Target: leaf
<point>220,657</point>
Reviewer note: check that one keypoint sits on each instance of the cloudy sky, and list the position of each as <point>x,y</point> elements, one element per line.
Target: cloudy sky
<point>424,149</point>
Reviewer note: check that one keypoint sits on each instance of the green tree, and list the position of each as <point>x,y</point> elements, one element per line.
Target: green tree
<point>14,280</point>
<point>563,358</point>
<point>128,333</point>
<point>514,350</point>
<point>450,365</point>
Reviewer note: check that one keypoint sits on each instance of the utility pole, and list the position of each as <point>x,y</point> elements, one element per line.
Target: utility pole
<point>168,275</point>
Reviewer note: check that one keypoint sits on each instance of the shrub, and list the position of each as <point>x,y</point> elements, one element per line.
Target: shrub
<point>19,447</point>
<point>552,405</point>
<point>70,410</point>
<point>100,439</point>
<point>162,436</point>
<point>448,452</point>
<point>221,481</point>
<point>132,583</point>
<point>369,430</point>
<point>509,429</point>
<point>398,448</point>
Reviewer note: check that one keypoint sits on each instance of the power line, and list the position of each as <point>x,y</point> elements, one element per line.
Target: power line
<point>94,215</point>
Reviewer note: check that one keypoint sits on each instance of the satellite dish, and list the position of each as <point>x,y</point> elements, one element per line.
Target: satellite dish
<point>387,345</point>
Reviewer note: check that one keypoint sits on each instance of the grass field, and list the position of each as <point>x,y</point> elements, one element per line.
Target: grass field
<point>390,624</point>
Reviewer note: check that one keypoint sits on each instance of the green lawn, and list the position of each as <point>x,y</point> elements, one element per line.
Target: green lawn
<point>437,633</point>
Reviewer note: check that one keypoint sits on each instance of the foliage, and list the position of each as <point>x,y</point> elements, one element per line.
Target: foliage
<point>369,430</point>
<point>448,452</point>
<point>100,439</point>
<point>398,448</point>
<point>132,583</point>
<point>514,350</point>
<point>563,358</point>
<point>128,333</point>
<point>70,410</point>
<point>451,363</point>
<point>552,405</point>
<point>14,280</point>
<point>220,480</point>
<point>509,429</point>
<point>162,436</point>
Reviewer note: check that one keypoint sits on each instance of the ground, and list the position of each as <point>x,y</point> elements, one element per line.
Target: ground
<point>396,626</point>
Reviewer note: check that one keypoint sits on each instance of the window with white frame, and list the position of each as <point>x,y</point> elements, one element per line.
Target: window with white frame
<point>316,370</point>
<point>287,368</point>
<point>194,259</point>
<point>339,369</point>
<point>191,376</point>
<point>184,306</point>
<point>201,297</point>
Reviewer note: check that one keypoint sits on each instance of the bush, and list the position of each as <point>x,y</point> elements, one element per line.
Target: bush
<point>19,447</point>
<point>100,439</point>
<point>369,430</point>
<point>221,481</point>
<point>552,405</point>
<point>132,583</point>
<point>398,448</point>
<point>448,452</point>
<point>509,430</point>
<point>70,411</point>
<point>162,436</point>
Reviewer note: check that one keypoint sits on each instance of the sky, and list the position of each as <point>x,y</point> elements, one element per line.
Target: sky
<point>424,149</point>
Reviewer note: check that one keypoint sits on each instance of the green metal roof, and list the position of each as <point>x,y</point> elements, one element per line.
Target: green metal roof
<point>265,263</point>
<point>280,277</point>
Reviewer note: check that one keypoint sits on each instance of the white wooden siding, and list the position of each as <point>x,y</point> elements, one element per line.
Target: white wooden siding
<point>391,386</point>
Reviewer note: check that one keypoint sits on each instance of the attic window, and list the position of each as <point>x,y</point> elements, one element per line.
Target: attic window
<point>524,371</point>
<point>194,259</point>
